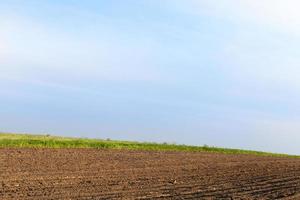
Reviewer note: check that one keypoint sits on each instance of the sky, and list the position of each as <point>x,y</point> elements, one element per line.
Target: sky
<point>217,72</point>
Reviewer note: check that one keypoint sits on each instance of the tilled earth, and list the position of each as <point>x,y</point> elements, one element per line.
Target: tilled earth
<point>126,174</point>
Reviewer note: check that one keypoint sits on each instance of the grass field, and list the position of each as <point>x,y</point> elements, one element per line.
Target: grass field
<point>47,141</point>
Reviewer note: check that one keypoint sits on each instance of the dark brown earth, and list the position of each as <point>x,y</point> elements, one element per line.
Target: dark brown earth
<point>124,174</point>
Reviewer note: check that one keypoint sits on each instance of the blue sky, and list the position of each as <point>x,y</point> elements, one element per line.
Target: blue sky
<point>222,73</point>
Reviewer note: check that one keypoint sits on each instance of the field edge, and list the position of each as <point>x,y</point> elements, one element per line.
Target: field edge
<point>13,140</point>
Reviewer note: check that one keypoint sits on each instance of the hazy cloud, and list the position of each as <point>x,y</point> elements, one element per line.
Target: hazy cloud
<point>277,14</point>
<point>31,49</point>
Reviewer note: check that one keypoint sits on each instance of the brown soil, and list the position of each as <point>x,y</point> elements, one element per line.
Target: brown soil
<point>124,174</point>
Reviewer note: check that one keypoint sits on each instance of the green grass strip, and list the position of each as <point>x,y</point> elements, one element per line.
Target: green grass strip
<point>47,141</point>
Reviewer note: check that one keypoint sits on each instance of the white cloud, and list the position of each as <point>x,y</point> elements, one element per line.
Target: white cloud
<point>282,15</point>
<point>263,59</point>
<point>34,50</point>
<point>263,49</point>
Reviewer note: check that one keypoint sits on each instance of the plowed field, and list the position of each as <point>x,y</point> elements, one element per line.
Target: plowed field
<point>127,174</point>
